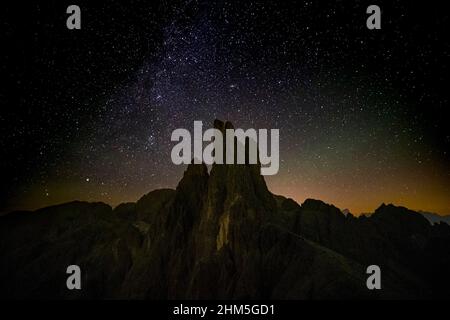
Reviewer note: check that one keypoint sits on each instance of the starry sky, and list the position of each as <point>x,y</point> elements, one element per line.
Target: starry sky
<point>88,114</point>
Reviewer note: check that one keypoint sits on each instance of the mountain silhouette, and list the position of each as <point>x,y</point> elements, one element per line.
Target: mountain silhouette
<point>221,235</point>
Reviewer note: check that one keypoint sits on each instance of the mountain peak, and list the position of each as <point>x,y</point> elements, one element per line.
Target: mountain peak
<point>222,235</point>
<point>222,125</point>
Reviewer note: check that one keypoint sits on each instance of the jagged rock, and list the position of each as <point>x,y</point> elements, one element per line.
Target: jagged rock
<point>221,235</point>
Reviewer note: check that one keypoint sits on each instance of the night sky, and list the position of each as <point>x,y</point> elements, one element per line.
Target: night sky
<point>88,114</point>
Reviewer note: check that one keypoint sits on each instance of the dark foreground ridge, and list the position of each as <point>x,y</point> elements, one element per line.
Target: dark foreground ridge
<point>221,235</point>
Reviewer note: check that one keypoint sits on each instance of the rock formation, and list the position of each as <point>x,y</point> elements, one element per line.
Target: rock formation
<point>221,235</point>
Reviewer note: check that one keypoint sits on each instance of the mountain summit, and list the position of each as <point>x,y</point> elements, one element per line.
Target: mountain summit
<point>221,235</point>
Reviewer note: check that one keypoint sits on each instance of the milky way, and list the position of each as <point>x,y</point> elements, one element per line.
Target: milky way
<point>89,115</point>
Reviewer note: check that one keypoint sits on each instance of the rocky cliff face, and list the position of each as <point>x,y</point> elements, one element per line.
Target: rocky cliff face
<point>221,234</point>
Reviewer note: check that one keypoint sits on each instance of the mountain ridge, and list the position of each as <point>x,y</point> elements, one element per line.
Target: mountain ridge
<point>221,235</point>
<point>314,227</point>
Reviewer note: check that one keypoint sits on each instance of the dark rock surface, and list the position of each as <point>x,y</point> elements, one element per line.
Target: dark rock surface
<point>221,235</point>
